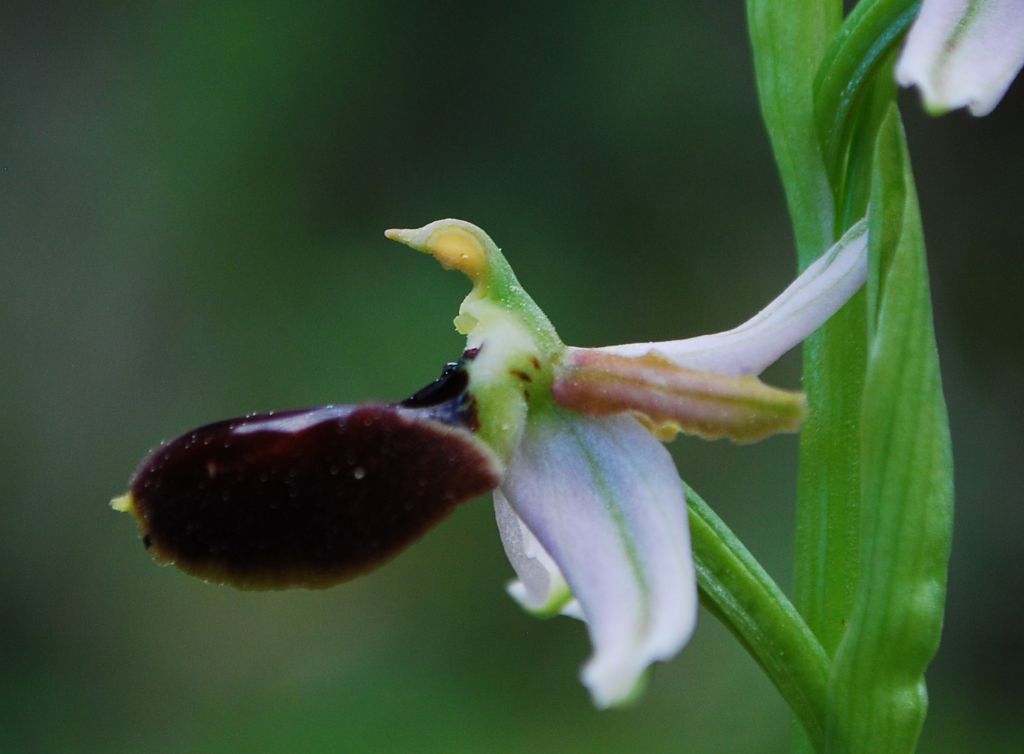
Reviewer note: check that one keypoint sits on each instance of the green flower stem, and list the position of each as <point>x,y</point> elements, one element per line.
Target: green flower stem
<point>789,39</point>
<point>735,588</point>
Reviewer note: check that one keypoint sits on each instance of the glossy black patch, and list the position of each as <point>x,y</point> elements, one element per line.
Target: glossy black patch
<point>449,386</point>
<point>447,396</point>
<point>306,498</point>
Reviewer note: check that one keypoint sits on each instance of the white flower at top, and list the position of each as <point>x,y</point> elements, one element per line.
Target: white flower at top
<point>964,53</point>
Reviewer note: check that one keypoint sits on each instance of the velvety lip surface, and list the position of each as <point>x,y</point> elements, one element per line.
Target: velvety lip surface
<point>305,498</point>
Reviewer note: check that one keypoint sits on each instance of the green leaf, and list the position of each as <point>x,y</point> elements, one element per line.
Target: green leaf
<point>877,692</point>
<point>735,588</point>
<point>859,50</point>
<point>872,107</point>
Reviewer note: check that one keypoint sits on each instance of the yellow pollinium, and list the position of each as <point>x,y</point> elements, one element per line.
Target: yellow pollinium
<point>452,243</point>
<point>457,249</point>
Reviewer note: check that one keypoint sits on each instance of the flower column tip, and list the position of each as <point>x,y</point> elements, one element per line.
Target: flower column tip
<point>456,244</point>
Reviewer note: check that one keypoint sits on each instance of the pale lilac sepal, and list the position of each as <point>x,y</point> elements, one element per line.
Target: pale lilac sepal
<point>818,293</point>
<point>540,588</point>
<point>604,500</point>
<point>964,53</point>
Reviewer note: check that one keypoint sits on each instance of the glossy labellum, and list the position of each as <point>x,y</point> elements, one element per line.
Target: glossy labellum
<point>311,497</point>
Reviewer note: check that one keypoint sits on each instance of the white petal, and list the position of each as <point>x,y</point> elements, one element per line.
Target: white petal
<point>819,292</point>
<point>964,53</point>
<point>541,588</point>
<point>603,498</point>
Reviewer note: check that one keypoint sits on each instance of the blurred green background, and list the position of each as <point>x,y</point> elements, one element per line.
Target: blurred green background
<point>192,200</point>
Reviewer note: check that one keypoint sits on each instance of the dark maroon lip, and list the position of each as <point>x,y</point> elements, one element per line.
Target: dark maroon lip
<point>314,496</point>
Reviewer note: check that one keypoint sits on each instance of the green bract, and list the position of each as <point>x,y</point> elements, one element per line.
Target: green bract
<point>878,693</point>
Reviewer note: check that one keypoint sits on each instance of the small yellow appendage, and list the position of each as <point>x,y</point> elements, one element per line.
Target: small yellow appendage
<point>124,503</point>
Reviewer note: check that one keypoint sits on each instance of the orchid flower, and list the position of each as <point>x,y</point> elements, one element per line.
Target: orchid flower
<point>590,508</point>
<point>964,53</point>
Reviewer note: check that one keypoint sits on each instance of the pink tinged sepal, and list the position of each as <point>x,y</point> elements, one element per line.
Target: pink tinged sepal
<point>818,293</point>
<point>964,53</point>
<point>670,398</point>
<point>603,500</point>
